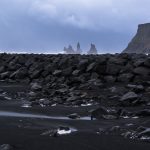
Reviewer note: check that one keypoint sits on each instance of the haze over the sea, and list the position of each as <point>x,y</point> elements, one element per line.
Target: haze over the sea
<point>46,26</point>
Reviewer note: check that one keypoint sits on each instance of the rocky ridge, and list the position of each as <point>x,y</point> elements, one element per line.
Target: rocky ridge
<point>72,69</point>
<point>76,79</point>
<point>141,41</point>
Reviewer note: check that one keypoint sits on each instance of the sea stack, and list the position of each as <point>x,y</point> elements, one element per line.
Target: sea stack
<point>141,41</point>
<point>92,50</point>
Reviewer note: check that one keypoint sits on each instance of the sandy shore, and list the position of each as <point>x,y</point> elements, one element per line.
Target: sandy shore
<point>24,133</point>
<point>23,129</point>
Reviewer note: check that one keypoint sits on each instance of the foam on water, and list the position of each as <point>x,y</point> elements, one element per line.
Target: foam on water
<point>27,115</point>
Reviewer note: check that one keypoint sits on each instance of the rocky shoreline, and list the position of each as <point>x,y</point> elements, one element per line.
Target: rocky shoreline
<point>75,79</point>
<point>113,89</point>
<point>49,68</point>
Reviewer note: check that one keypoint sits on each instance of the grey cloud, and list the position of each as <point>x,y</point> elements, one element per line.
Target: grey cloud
<point>41,25</point>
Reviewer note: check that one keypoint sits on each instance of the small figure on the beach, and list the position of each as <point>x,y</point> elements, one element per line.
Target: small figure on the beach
<point>92,117</point>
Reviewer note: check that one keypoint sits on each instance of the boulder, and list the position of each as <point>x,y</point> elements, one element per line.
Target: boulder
<point>94,75</point>
<point>113,69</point>
<point>83,64</point>
<point>5,75</point>
<point>93,84</point>
<point>68,71</point>
<point>129,96</point>
<point>52,133</point>
<point>143,113</point>
<point>2,69</point>
<point>91,67</point>
<point>35,74</point>
<point>19,74</point>
<point>13,66</point>
<point>144,134</point>
<point>74,116</point>
<point>115,129</point>
<point>126,77</point>
<point>136,88</point>
<point>118,90</point>
<point>44,102</point>
<point>76,72</point>
<point>139,79</point>
<point>148,90</point>
<point>117,60</point>
<point>147,62</point>
<point>57,72</point>
<point>101,69</point>
<point>36,87</point>
<point>72,98</point>
<point>139,62</point>
<point>128,68</point>
<point>110,79</point>
<point>6,147</point>
<point>103,112</point>
<point>143,71</point>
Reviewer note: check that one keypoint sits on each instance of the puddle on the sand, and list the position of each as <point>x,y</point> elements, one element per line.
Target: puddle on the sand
<point>27,115</point>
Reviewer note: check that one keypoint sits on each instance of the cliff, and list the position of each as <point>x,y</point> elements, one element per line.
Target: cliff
<point>141,41</point>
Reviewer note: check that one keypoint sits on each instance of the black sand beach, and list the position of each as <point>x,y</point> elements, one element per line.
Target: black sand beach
<point>73,102</point>
<point>24,133</point>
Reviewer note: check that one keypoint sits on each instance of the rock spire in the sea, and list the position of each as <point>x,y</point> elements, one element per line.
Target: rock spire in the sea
<point>78,51</point>
<point>69,50</point>
<point>92,50</point>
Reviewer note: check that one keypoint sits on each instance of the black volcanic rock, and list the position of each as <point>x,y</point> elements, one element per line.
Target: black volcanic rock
<point>142,71</point>
<point>6,147</point>
<point>141,41</point>
<point>59,77</point>
<point>73,116</point>
<point>105,113</point>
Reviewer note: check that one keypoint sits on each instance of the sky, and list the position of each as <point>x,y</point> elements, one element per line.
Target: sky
<point>46,26</point>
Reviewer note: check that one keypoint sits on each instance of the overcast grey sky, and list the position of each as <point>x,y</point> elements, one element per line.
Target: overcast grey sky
<point>49,25</point>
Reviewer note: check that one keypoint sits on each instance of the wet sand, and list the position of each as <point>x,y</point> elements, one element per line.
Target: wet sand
<point>22,128</point>
<point>25,133</point>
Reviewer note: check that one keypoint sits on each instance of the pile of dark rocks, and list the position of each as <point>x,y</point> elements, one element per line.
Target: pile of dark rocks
<point>80,79</point>
<point>129,130</point>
